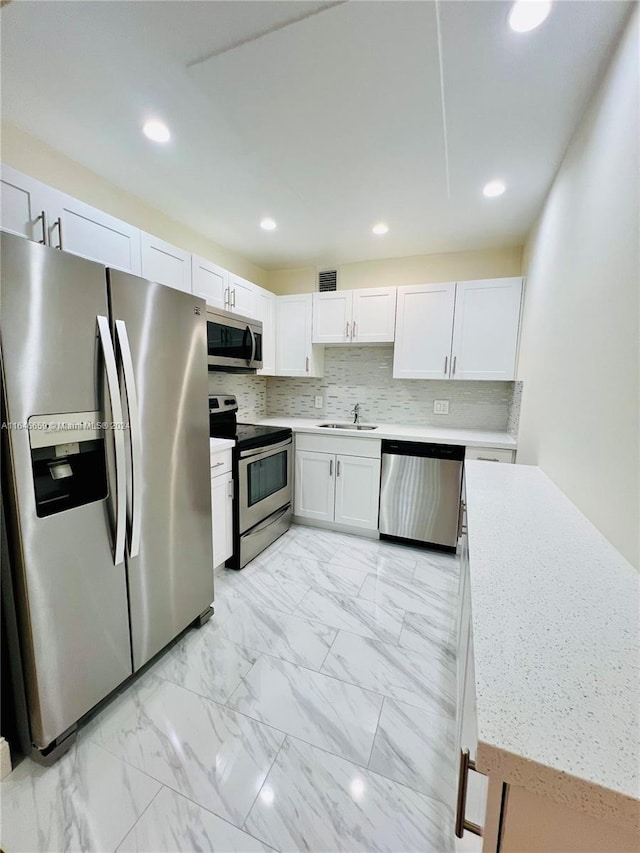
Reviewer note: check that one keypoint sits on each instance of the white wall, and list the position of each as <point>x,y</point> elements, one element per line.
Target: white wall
<point>580,344</point>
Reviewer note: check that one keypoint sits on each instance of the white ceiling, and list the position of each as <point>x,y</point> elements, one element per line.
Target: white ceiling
<point>326,116</point>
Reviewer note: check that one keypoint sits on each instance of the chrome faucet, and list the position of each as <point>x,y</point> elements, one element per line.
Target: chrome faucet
<point>356,413</point>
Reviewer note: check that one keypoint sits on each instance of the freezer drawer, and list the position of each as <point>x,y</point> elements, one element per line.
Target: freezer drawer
<point>420,492</point>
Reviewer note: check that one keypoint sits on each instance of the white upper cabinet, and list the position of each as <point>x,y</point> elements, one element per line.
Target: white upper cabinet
<point>424,323</point>
<point>24,206</point>
<point>83,230</point>
<point>241,296</point>
<point>295,354</point>
<point>45,215</point>
<point>265,311</point>
<point>364,316</point>
<point>374,315</point>
<point>332,317</point>
<point>165,263</point>
<point>209,281</point>
<point>485,332</point>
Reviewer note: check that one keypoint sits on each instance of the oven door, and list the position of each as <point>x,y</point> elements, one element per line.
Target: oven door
<point>233,343</point>
<point>264,478</point>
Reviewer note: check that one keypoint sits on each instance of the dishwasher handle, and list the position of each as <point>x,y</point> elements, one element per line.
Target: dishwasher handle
<point>453,452</point>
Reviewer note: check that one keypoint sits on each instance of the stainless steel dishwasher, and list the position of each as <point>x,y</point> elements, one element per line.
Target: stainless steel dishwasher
<point>420,492</point>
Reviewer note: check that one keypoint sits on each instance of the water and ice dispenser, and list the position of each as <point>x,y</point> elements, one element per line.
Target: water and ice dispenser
<point>68,461</point>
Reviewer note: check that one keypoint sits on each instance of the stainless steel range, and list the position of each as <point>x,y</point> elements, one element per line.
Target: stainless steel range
<point>263,474</point>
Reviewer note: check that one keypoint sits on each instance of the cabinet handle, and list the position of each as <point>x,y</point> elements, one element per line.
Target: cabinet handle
<point>462,824</point>
<point>231,490</point>
<point>234,298</point>
<point>58,224</point>
<point>217,465</point>
<point>355,334</point>
<point>487,459</point>
<point>43,218</point>
<point>453,372</point>
<point>226,297</point>
<point>331,467</point>
<point>348,328</point>
<point>446,363</point>
<point>338,468</point>
<point>307,363</point>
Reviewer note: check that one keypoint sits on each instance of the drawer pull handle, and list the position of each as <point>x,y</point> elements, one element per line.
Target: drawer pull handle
<point>462,824</point>
<point>487,459</point>
<point>217,465</point>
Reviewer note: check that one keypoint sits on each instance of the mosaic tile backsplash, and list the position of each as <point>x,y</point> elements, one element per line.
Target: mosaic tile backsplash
<point>251,392</point>
<point>363,374</point>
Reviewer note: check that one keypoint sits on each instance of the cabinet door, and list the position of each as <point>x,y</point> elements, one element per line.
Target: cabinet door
<point>209,281</point>
<point>241,296</point>
<point>222,511</point>
<point>374,315</point>
<point>24,206</point>
<point>83,230</point>
<point>165,263</point>
<point>357,491</point>
<point>315,485</point>
<point>293,343</point>
<point>332,322</point>
<point>265,311</point>
<point>485,333</point>
<point>424,326</point>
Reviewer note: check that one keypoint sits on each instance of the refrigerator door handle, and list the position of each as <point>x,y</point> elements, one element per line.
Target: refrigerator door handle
<point>135,436</point>
<point>118,436</point>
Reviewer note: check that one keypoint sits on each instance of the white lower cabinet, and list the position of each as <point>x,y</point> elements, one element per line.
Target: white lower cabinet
<point>315,485</point>
<point>336,487</point>
<point>222,512</point>
<point>357,492</point>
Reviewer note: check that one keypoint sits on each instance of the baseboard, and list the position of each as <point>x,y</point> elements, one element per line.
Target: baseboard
<point>338,528</point>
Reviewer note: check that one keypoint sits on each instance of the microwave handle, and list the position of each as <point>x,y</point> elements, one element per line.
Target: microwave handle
<point>253,346</point>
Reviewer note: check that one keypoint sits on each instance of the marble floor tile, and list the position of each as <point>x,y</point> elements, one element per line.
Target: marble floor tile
<point>315,574</point>
<point>367,618</point>
<point>203,750</point>
<point>87,801</point>
<point>417,749</point>
<point>434,639</point>
<point>393,671</point>
<point>415,596</point>
<point>225,602</point>
<point>173,823</point>
<point>263,589</point>
<point>317,802</point>
<point>208,664</point>
<point>339,717</point>
<point>309,543</point>
<point>291,638</point>
<point>439,571</point>
<point>379,558</point>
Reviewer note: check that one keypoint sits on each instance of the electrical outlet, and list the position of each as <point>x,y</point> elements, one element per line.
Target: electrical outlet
<point>318,401</point>
<point>440,407</point>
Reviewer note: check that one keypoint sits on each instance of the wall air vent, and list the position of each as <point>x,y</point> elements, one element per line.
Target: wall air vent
<point>327,280</point>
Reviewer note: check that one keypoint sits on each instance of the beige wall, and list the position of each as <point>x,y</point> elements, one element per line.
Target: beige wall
<point>417,269</point>
<point>33,157</point>
<point>580,344</point>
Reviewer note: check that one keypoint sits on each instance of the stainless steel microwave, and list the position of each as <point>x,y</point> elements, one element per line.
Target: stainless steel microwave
<point>234,344</point>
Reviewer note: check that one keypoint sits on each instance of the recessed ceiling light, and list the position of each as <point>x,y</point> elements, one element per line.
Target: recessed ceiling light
<point>156,130</point>
<point>526,15</point>
<point>380,228</point>
<point>269,224</point>
<point>493,189</point>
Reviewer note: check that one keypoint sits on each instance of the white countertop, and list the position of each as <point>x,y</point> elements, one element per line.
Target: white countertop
<point>556,644</point>
<point>217,445</point>
<point>400,432</point>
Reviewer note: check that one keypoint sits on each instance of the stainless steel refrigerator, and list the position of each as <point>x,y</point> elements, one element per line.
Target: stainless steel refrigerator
<point>106,474</point>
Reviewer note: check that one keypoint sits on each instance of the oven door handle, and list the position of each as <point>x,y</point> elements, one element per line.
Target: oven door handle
<point>271,519</point>
<point>258,451</point>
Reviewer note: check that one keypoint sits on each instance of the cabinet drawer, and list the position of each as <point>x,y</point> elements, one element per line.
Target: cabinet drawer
<point>489,454</point>
<point>221,463</point>
<point>367,447</point>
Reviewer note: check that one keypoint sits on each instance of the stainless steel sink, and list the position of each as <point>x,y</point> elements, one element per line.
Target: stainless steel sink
<point>347,426</point>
